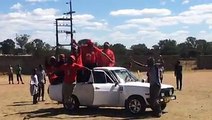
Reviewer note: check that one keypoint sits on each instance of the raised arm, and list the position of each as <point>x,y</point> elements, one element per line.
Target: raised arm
<point>101,52</point>
<point>139,64</point>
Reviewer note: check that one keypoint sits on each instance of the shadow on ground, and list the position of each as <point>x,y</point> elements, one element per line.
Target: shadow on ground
<point>21,103</point>
<point>58,113</point>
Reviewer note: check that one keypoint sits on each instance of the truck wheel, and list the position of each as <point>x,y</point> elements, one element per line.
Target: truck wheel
<point>135,105</point>
<point>71,104</point>
<point>163,106</point>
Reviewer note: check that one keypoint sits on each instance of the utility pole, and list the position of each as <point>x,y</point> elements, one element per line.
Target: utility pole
<point>71,19</point>
<point>58,21</point>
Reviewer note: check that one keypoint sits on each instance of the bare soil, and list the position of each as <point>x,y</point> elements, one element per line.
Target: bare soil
<point>194,102</point>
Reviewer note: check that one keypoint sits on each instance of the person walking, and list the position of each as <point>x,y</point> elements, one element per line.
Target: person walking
<point>10,74</point>
<point>153,77</point>
<point>34,86</point>
<point>18,74</point>
<point>41,80</point>
<point>178,74</point>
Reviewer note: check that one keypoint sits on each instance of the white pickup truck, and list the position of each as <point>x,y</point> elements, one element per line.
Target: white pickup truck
<point>112,87</point>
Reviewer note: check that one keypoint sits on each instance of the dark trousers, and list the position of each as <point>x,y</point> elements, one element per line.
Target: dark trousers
<point>154,98</point>
<point>10,78</point>
<point>19,77</point>
<point>35,99</point>
<point>67,92</point>
<point>179,81</point>
<point>161,79</point>
<point>41,90</point>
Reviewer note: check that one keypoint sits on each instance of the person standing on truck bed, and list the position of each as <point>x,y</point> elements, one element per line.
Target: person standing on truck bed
<point>76,51</point>
<point>107,60</point>
<point>90,55</point>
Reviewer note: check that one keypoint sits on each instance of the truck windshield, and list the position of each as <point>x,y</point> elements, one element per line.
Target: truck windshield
<point>125,75</point>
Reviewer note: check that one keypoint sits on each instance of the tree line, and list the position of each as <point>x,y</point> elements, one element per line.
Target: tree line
<point>191,48</point>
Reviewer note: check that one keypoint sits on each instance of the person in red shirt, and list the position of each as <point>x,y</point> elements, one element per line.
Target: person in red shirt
<point>50,70</point>
<point>89,54</point>
<point>107,59</point>
<point>70,71</point>
<point>75,50</point>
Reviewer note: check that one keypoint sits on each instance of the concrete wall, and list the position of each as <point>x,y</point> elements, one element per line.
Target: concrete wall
<point>27,63</point>
<point>204,62</point>
<point>30,62</point>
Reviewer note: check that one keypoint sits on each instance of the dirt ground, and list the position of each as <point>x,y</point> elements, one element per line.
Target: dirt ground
<point>194,102</point>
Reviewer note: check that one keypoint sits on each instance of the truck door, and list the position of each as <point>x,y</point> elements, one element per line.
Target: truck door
<point>84,89</point>
<point>106,93</point>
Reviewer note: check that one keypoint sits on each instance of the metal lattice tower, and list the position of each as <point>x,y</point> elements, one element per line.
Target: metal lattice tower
<point>59,25</point>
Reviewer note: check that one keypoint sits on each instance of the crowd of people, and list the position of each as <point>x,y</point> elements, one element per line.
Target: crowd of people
<point>87,55</point>
<point>77,65</point>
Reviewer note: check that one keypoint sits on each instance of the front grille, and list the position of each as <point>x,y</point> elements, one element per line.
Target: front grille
<point>166,92</point>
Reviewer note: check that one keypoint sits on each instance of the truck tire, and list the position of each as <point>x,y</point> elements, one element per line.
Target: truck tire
<point>72,104</point>
<point>163,106</point>
<point>135,105</point>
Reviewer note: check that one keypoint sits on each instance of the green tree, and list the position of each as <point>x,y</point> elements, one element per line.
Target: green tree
<point>201,46</point>
<point>208,50</point>
<point>156,47</point>
<point>30,48</point>
<point>22,40</point>
<point>119,48</point>
<point>38,48</point>
<point>191,42</point>
<point>139,49</point>
<point>168,47</point>
<point>183,50</point>
<point>7,46</point>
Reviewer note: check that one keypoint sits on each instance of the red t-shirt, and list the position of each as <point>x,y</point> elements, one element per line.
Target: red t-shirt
<point>70,71</point>
<point>89,55</point>
<point>50,73</point>
<point>78,58</point>
<point>104,61</point>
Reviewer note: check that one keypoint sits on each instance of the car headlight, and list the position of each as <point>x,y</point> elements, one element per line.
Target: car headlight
<point>162,94</point>
<point>170,92</point>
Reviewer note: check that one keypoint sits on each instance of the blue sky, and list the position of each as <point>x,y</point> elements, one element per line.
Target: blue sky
<point>128,22</point>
